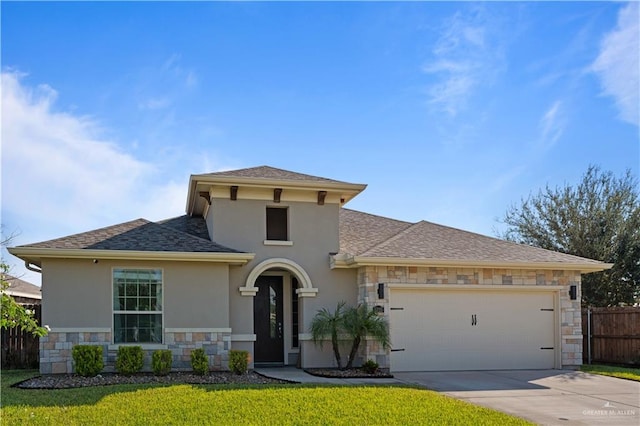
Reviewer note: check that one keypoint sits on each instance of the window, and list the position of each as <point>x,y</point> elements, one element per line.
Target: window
<point>277,224</point>
<point>137,306</point>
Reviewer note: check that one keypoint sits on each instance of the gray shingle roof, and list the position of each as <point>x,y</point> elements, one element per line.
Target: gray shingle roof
<point>267,172</point>
<point>361,231</point>
<point>193,225</point>
<point>136,235</point>
<point>426,240</point>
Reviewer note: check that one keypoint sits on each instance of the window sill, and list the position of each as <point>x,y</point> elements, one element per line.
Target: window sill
<point>147,346</point>
<point>277,243</point>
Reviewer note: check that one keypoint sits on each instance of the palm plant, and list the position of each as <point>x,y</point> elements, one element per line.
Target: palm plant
<point>361,322</point>
<point>326,324</point>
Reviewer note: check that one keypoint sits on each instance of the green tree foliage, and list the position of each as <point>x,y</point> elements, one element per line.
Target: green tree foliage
<point>355,323</point>
<point>361,322</point>
<point>15,315</point>
<point>327,324</point>
<point>598,219</point>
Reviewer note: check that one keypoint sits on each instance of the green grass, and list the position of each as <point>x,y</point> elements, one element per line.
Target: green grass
<point>620,372</point>
<point>221,404</point>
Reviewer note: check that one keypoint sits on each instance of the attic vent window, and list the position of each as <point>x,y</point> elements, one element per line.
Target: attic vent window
<point>277,224</point>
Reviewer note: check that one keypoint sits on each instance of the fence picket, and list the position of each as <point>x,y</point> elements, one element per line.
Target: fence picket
<point>615,335</point>
<point>21,349</point>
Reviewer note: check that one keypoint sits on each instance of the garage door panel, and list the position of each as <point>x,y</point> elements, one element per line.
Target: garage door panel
<point>462,330</point>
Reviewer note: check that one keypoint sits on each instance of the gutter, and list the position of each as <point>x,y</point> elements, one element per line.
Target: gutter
<point>342,261</point>
<point>33,255</point>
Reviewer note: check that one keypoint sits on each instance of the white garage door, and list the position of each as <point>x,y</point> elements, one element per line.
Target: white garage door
<point>438,330</point>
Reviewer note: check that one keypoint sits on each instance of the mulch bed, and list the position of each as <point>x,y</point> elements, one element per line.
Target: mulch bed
<point>65,381</point>
<point>351,373</point>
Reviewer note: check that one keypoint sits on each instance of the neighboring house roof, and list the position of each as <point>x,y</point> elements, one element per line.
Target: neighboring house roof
<point>138,238</point>
<point>395,242</point>
<point>21,288</point>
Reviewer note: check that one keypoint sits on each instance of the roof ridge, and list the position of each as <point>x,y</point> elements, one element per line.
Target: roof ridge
<point>391,239</point>
<point>377,215</point>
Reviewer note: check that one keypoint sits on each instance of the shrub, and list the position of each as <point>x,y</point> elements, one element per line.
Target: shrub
<point>161,362</point>
<point>87,359</point>
<point>199,361</point>
<point>238,361</point>
<point>129,359</point>
<point>370,367</point>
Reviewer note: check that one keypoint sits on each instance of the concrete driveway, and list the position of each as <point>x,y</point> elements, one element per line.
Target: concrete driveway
<point>547,397</point>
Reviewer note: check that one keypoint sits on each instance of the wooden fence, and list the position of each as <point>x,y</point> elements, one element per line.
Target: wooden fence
<point>615,335</point>
<point>20,349</point>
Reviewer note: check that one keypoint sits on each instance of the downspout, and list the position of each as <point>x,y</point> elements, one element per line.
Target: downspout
<point>28,265</point>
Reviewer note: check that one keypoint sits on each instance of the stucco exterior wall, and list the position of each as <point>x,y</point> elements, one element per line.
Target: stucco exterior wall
<point>313,231</point>
<point>570,316</point>
<point>78,307</point>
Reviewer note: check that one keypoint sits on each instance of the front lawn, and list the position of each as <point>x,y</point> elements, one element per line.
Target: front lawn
<point>223,404</point>
<point>620,372</point>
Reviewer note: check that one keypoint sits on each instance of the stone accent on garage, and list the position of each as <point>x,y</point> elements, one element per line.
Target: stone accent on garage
<point>56,349</point>
<point>570,317</point>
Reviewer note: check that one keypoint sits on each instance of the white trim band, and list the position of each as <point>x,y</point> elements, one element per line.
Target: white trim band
<point>243,337</point>
<point>197,330</point>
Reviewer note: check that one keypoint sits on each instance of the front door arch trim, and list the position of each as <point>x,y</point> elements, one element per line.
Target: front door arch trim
<point>306,288</point>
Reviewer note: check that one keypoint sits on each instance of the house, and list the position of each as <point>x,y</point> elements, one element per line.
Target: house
<point>23,292</point>
<point>261,250</point>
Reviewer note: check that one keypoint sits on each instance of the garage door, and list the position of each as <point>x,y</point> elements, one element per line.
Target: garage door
<point>438,330</point>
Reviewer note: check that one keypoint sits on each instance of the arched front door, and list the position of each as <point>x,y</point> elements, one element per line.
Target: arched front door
<point>268,320</point>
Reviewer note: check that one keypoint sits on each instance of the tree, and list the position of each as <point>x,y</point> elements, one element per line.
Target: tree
<point>361,322</point>
<point>598,219</point>
<point>326,324</point>
<point>12,314</point>
<point>356,323</point>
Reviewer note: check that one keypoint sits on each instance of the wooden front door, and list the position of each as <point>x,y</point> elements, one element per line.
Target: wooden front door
<point>267,320</point>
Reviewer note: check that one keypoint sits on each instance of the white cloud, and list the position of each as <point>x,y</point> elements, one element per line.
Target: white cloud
<point>618,63</point>
<point>60,172</point>
<point>466,55</point>
<point>551,125</point>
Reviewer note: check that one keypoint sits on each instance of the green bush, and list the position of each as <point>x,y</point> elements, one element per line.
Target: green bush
<point>370,367</point>
<point>199,361</point>
<point>238,361</point>
<point>161,362</point>
<point>87,359</point>
<point>129,359</point>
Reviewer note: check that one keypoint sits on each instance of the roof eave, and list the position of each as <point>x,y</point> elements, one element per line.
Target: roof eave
<point>357,261</point>
<point>35,255</point>
<point>347,190</point>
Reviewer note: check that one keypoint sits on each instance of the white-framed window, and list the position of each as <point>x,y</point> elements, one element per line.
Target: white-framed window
<point>137,305</point>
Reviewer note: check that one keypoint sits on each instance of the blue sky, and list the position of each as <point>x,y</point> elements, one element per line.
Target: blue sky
<point>450,111</point>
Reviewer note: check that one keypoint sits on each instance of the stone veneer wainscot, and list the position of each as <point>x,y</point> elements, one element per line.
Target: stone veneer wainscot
<point>56,348</point>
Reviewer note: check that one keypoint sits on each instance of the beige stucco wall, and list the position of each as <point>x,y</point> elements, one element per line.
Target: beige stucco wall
<point>313,229</point>
<point>78,293</point>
